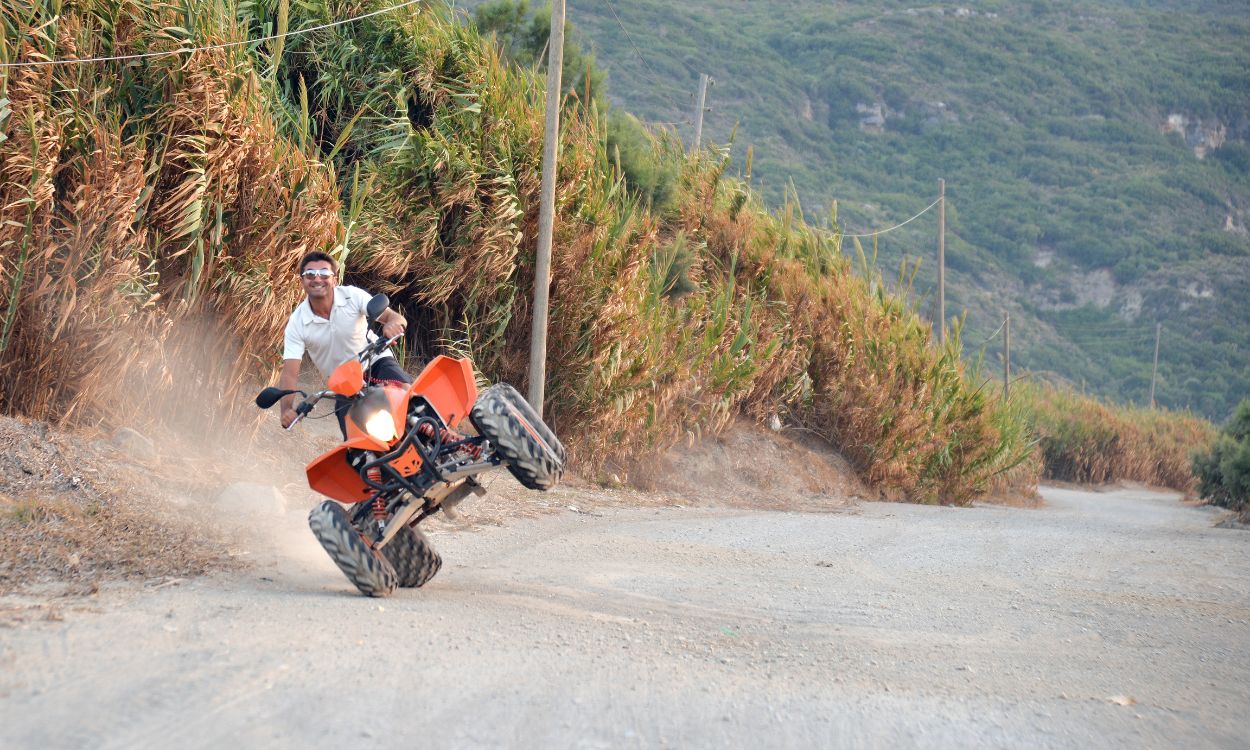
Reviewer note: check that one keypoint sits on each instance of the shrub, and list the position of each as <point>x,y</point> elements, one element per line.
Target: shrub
<point>409,147</point>
<point>1224,471</point>
<point>638,157</point>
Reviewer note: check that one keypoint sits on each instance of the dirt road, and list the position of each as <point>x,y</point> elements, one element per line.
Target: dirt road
<point>1101,620</point>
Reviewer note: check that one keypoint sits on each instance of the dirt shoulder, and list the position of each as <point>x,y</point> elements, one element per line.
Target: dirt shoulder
<point>77,509</point>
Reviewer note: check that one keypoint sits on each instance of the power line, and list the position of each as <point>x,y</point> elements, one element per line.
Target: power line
<point>1112,342</point>
<point>990,338</point>
<point>1108,336</point>
<point>1110,333</point>
<point>1096,326</point>
<point>656,79</point>
<point>896,225</point>
<point>182,50</point>
<point>1095,331</point>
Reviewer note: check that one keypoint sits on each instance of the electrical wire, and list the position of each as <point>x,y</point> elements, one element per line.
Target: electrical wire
<point>1112,343</point>
<point>896,226</point>
<point>655,76</point>
<point>990,338</point>
<point>182,50</point>
<point>1099,335</point>
<point>1096,327</point>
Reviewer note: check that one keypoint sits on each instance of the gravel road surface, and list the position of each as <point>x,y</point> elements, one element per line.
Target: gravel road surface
<point>1115,619</point>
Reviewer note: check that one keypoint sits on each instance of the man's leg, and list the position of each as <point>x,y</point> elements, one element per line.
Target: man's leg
<point>341,405</point>
<point>387,368</point>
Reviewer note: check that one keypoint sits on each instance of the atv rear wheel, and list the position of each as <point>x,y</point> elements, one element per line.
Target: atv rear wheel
<point>528,447</point>
<point>413,558</point>
<point>367,569</point>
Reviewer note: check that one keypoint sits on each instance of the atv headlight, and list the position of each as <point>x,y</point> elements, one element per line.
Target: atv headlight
<point>371,412</point>
<point>381,426</point>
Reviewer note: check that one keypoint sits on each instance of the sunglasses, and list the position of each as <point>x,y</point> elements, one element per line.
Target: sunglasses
<point>317,273</point>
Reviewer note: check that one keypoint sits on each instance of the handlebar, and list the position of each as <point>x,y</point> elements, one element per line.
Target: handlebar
<point>377,346</point>
<point>303,408</point>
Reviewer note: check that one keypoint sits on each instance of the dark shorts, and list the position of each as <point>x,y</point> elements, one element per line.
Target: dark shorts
<point>385,368</point>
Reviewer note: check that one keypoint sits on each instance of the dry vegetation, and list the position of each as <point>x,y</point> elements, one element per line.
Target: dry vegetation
<point>1085,440</point>
<point>137,199</point>
<point>145,201</point>
<point>71,511</point>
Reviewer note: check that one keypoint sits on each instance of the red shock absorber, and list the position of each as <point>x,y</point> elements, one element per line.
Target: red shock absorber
<point>449,436</point>
<point>474,451</point>
<point>379,508</point>
<point>375,474</point>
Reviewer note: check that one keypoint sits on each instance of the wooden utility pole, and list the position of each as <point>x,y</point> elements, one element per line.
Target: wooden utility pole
<point>546,210</point>
<point>704,82</point>
<point>1154,373</point>
<point>1007,356</point>
<point>942,261</point>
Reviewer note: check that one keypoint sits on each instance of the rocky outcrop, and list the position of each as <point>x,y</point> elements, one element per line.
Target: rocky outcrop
<point>1202,135</point>
<point>871,116</point>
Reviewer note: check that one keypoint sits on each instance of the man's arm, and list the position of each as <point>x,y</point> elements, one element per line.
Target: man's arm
<point>287,381</point>
<point>392,322</point>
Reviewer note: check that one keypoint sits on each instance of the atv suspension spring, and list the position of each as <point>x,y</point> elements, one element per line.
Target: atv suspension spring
<point>379,508</point>
<point>450,436</point>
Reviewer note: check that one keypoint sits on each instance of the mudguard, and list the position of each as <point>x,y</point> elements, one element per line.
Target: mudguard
<point>332,476</point>
<point>450,387</point>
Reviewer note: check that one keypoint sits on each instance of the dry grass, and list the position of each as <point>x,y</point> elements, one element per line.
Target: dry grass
<point>122,228</point>
<point>1085,440</point>
<point>73,513</point>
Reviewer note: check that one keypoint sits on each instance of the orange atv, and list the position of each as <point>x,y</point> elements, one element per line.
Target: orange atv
<point>403,461</point>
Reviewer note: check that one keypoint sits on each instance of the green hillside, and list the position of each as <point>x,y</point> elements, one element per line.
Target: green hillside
<point>1096,156</point>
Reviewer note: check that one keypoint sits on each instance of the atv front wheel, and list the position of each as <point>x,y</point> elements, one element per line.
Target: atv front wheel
<point>523,407</point>
<point>413,558</point>
<point>368,570</point>
<point>528,447</point>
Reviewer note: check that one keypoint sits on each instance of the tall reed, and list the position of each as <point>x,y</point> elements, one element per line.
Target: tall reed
<point>1086,440</point>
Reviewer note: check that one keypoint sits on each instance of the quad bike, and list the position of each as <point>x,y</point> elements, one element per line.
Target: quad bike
<point>403,461</point>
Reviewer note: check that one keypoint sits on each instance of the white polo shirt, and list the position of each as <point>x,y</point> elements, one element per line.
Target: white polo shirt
<point>330,343</point>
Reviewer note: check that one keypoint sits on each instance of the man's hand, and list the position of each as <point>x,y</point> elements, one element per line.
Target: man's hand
<point>392,329</point>
<point>287,381</point>
<point>392,322</point>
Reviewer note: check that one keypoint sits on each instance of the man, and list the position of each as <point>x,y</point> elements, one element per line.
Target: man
<point>331,326</point>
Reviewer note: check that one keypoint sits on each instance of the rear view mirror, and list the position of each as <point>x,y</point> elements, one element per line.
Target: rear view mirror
<point>271,396</point>
<point>376,307</point>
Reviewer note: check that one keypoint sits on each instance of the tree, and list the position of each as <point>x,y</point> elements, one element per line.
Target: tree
<point>522,34</point>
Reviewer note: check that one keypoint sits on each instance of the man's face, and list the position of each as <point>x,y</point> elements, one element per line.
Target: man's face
<point>319,280</point>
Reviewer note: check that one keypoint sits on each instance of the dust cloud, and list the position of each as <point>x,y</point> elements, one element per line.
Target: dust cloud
<point>223,466</point>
